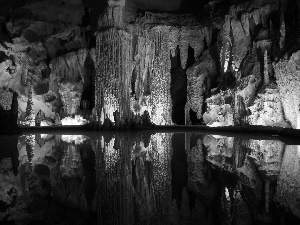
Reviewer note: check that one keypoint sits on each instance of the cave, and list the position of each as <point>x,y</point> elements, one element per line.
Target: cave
<point>179,68</point>
<point>149,112</point>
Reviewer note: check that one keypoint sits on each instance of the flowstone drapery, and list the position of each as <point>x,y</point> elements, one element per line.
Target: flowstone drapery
<point>113,73</point>
<point>137,61</point>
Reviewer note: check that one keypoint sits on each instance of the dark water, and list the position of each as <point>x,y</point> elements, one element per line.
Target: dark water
<point>148,178</point>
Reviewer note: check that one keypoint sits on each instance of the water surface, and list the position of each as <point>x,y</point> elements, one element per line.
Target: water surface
<point>148,178</point>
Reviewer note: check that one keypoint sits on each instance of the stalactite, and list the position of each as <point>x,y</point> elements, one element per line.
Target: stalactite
<point>282,31</point>
<point>225,52</point>
<point>196,38</point>
<point>197,82</point>
<point>256,17</point>
<point>245,22</point>
<point>174,40</point>
<point>184,46</point>
<point>207,31</point>
<point>264,12</point>
<point>112,17</point>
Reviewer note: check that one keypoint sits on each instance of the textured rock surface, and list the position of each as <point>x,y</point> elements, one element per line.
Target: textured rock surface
<point>233,44</point>
<point>219,111</point>
<point>267,109</point>
<point>199,76</point>
<point>219,148</point>
<point>268,155</point>
<point>287,75</point>
<point>35,33</point>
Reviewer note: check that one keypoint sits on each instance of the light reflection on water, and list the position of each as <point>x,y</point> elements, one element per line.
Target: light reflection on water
<point>148,178</point>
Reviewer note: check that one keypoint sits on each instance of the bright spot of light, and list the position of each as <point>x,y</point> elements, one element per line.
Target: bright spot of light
<point>78,139</point>
<point>44,123</point>
<point>227,193</point>
<point>44,136</point>
<point>78,120</point>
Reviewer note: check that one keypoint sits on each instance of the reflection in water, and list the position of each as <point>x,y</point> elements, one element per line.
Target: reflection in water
<point>134,179</point>
<point>143,178</point>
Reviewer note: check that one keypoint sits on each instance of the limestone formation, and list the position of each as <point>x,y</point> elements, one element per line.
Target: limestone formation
<point>93,58</point>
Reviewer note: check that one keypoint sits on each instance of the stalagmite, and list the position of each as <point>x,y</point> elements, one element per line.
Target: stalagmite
<point>174,40</point>
<point>196,38</point>
<point>225,52</point>
<point>282,31</point>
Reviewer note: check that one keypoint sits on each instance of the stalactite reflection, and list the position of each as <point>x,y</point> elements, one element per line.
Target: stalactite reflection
<point>133,179</point>
<point>149,178</point>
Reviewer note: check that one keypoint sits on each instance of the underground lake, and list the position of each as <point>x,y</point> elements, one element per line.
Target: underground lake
<point>148,177</point>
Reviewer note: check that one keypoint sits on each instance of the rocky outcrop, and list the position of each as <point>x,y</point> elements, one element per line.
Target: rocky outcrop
<point>35,33</point>
<point>267,109</point>
<point>219,111</point>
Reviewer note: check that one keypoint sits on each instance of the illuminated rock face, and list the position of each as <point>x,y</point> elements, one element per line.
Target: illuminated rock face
<point>41,31</point>
<point>219,111</point>
<point>45,45</point>
<point>267,109</point>
<point>67,79</point>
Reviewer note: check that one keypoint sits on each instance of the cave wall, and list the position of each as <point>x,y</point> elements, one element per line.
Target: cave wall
<point>43,47</point>
<point>234,80</point>
<point>245,60</point>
